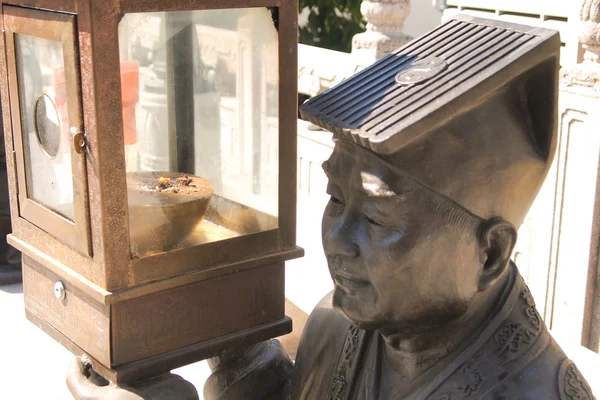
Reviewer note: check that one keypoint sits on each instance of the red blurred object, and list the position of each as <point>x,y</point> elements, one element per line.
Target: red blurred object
<point>130,96</point>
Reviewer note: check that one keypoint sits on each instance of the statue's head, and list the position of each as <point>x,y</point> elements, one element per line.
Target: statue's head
<point>429,183</point>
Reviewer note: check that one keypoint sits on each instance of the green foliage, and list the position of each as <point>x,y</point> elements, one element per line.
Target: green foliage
<point>331,23</point>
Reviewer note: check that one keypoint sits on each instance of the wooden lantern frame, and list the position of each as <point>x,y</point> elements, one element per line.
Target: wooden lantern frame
<point>107,288</point>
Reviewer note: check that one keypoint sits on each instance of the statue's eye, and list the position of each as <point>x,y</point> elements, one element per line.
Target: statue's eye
<point>372,221</point>
<point>335,207</point>
<point>335,200</point>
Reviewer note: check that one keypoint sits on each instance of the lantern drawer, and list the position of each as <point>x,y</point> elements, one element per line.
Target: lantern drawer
<point>163,329</point>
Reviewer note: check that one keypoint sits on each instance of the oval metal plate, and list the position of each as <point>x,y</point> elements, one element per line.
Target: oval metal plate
<point>421,70</point>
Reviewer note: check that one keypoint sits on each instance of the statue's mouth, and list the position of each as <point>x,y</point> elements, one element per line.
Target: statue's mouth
<point>349,284</point>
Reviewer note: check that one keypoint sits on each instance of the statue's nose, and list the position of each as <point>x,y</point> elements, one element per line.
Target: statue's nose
<point>339,241</point>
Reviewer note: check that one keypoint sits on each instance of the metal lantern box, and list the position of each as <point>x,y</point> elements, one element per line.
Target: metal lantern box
<point>151,151</point>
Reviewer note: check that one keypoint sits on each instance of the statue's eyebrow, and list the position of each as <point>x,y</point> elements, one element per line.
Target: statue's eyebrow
<point>328,169</point>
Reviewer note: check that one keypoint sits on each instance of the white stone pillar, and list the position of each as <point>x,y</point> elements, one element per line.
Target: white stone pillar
<point>385,22</point>
<point>583,81</point>
<point>574,311</point>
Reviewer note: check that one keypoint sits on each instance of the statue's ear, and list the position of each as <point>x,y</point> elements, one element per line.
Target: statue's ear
<point>497,238</point>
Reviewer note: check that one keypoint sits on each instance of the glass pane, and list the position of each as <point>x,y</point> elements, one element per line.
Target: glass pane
<point>45,128</point>
<point>200,110</point>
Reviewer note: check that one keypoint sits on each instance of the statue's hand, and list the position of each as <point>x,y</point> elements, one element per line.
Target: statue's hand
<point>259,372</point>
<point>85,383</point>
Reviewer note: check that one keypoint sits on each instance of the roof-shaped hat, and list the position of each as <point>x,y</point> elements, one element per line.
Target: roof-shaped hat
<point>430,80</point>
<point>469,110</point>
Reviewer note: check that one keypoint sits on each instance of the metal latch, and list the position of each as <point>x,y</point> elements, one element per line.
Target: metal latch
<point>78,140</point>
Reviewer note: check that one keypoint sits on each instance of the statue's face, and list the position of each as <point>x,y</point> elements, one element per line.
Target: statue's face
<point>396,262</point>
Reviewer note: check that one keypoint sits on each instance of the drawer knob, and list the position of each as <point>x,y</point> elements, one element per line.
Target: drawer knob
<point>59,290</point>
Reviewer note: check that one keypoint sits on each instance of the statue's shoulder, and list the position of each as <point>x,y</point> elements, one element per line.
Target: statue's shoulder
<point>325,328</point>
<point>550,376</point>
<point>319,349</point>
<point>324,318</point>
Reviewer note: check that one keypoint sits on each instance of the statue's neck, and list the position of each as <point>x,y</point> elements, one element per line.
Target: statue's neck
<point>414,354</point>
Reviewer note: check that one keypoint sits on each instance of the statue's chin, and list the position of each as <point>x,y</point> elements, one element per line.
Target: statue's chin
<point>361,309</point>
<point>359,323</point>
<point>357,311</point>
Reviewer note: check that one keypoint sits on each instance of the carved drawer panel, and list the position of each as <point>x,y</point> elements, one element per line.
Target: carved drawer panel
<point>204,310</point>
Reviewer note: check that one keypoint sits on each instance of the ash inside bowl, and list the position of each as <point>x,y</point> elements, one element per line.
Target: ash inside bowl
<point>166,187</point>
<point>164,184</point>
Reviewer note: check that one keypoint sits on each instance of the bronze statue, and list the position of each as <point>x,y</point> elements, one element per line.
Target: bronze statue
<point>440,150</point>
